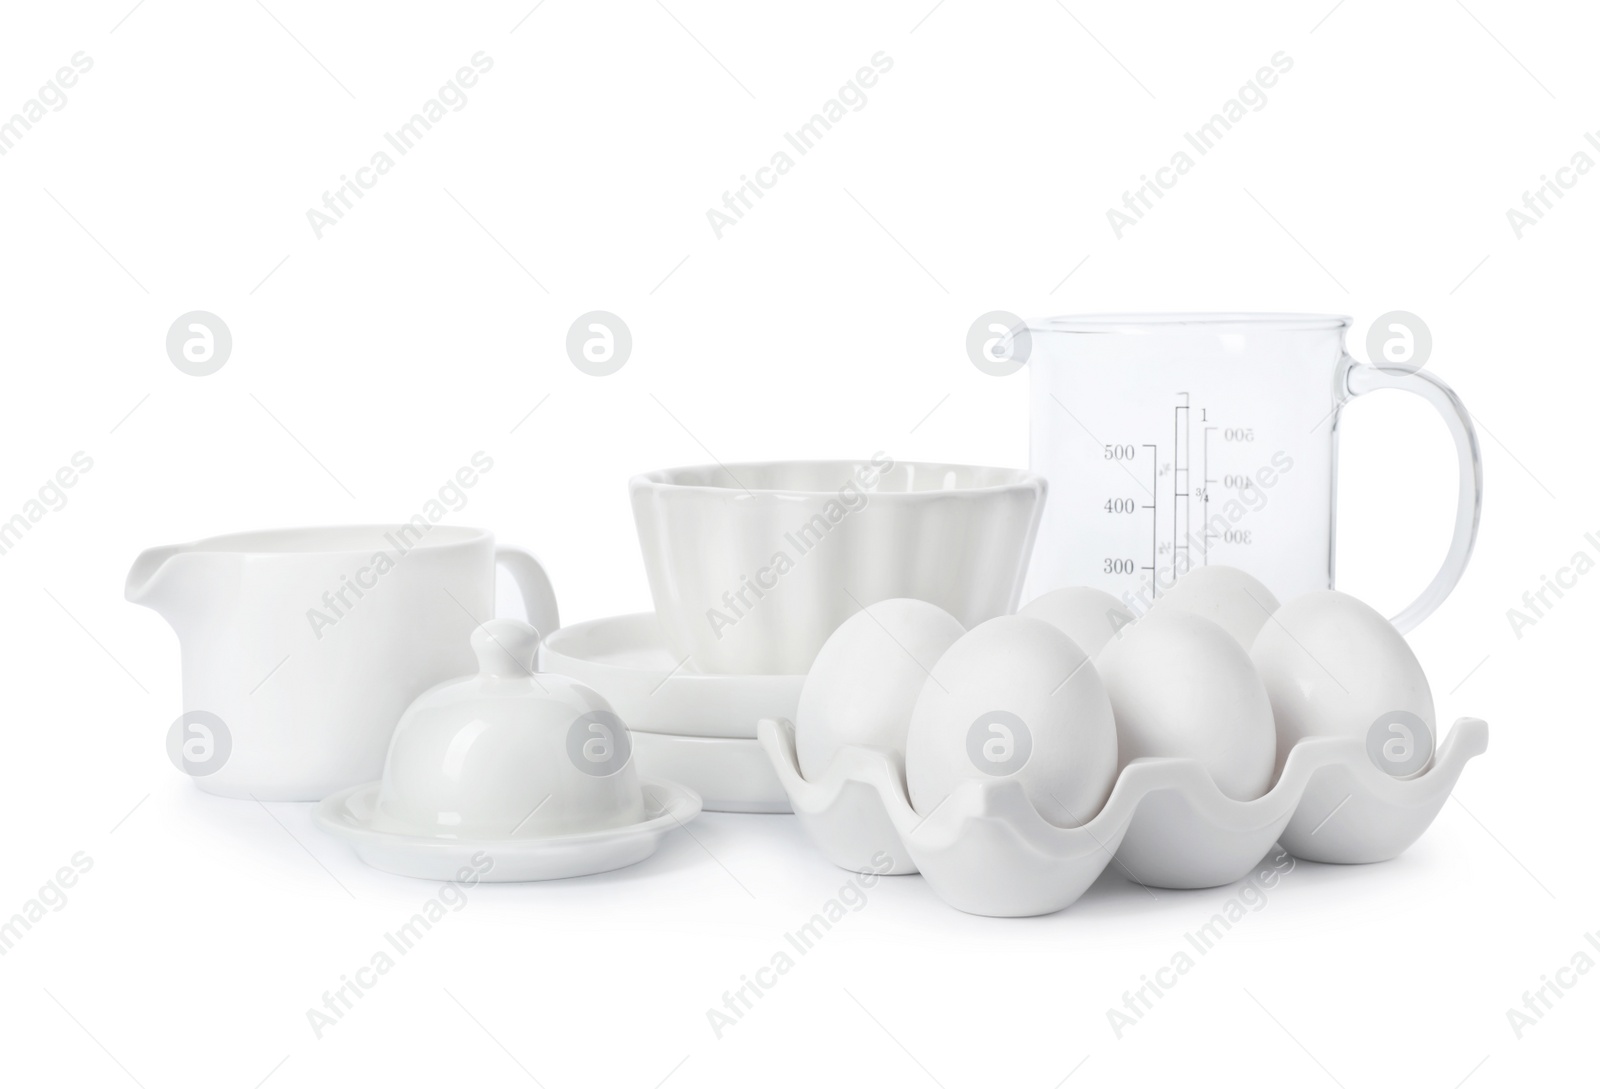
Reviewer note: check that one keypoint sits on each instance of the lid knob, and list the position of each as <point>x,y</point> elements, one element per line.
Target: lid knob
<point>505,647</point>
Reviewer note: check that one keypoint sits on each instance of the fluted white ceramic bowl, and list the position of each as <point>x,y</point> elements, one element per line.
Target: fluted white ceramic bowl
<point>752,566</point>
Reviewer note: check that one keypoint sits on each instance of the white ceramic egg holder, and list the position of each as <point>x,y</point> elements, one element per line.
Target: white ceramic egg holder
<point>987,851</point>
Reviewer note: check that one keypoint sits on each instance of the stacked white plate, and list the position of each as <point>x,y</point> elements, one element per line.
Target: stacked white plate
<point>698,729</point>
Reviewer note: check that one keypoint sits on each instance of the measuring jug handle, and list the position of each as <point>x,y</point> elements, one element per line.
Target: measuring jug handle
<point>1364,378</point>
<point>538,596</point>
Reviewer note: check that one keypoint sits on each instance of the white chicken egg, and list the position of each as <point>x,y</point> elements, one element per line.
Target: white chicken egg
<point>1089,617</point>
<point>1181,686</point>
<point>1224,595</point>
<point>865,679</point>
<point>1335,667</point>
<point>1014,698</point>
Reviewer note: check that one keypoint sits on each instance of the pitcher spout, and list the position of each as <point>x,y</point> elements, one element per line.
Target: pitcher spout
<point>144,584</point>
<point>164,579</point>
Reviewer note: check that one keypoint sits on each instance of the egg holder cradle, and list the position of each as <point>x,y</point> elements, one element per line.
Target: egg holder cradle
<point>986,850</point>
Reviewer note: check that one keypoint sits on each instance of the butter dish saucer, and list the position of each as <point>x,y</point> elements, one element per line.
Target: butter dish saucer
<point>532,771</point>
<point>349,816</point>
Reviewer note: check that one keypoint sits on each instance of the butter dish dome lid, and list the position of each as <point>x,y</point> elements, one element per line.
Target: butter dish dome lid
<point>508,753</point>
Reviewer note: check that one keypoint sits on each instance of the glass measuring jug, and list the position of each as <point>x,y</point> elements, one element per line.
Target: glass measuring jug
<point>1171,441</point>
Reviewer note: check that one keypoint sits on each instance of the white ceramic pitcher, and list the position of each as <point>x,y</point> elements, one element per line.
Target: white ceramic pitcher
<point>307,644</point>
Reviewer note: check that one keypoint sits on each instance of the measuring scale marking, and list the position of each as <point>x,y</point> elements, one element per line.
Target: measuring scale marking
<point>1173,551</point>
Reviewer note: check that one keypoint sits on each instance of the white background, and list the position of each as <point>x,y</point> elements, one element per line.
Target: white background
<point>370,364</point>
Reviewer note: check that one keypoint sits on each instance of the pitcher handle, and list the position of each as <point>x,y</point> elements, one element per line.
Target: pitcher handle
<point>1364,378</point>
<point>538,596</point>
